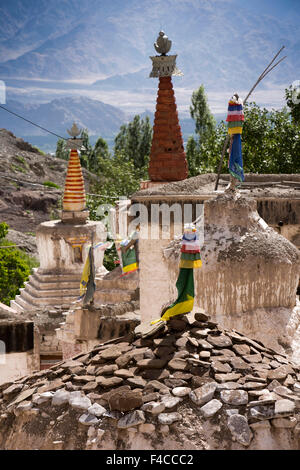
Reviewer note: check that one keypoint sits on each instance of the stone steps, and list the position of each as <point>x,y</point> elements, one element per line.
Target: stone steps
<point>39,302</point>
<point>118,283</point>
<point>69,277</point>
<point>112,296</point>
<point>17,304</point>
<point>53,285</point>
<point>43,293</point>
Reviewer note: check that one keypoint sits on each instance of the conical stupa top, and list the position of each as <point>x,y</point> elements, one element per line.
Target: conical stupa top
<point>74,194</point>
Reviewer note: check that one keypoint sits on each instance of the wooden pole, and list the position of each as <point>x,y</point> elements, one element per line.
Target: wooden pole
<point>260,78</point>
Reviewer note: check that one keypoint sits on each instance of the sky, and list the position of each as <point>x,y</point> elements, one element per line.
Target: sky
<point>116,36</point>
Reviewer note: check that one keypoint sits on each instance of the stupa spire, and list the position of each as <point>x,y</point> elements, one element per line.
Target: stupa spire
<point>74,201</point>
<point>167,158</point>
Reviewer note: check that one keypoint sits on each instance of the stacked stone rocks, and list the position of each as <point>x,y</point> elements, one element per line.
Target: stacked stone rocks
<point>166,384</point>
<point>167,159</point>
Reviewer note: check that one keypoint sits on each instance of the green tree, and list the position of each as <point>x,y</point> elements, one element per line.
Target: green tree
<point>270,143</point>
<point>61,150</point>
<point>200,112</point>
<point>205,129</point>
<point>134,141</point>
<point>100,151</point>
<point>292,97</point>
<point>15,267</point>
<point>85,154</point>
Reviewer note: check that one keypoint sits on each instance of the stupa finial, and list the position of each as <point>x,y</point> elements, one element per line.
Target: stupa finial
<point>163,65</point>
<point>74,131</point>
<point>163,43</point>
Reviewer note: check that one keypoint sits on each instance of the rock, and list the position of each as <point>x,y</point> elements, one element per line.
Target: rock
<point>123,373</point>
<point>284,391</point>
<point>204,344</point>
<point>177,324</point>
<point>109,369</point>
<point>241,349</point>
<point>166,341</point>
<point>23,396</point>
<point>227,377</point>
<point>232,411</point>
<point>125,400</point>
<point>88,420</point>
<point>71,364</point>
<point>172,383</point>
<point>202,317</point>
<point>150,397</point>
<point>182,342</point>
<point>123,360</point>
<point>262,412</point>
<point>181,391</point>
<point>218,366</point>
<point>23,407</point>
<point>137,382</point>
<point>204,354</point>
<point>78,401</point>
<point>147,428</point>
<point>12,390</point>
<point>182,375</point>
<point>234,397</point>
<point>265,424</point>
<point>151,363</point>
<point>42,398</point>
<point>284,406</point>
<point>88,387</point>
<point>154,374</point>
<point>56,384</point>
<point>193,341</point>
<point>203,394</point>
<point>238,364</point>
<point>253,385</point>
<point>145,330</point>
<point>239,428</point>
<point>153,407</point>
<point>211,408</point>
<point>131,419</point>
<point>228,386</point>
<point>267,401</point>
<point>225,352</point>
<point>296,387</point>
<point>169,401</point>
<point>60,397</point>
<point>156,385</point>
<point>273,384</point>
<point>221,341</point>
<point>96,410</point>
<point>110,353</point>
<point>164,429</point>
<point>109,381</point>
<point>289,422</point>
<point>289,381</point>
<point>253,358</point>
<point>169,418</point>
<point>178,364</point>
<point>164,351</point>
<point>182,354</point>
<point>280,373</point>
<point>200,333</point>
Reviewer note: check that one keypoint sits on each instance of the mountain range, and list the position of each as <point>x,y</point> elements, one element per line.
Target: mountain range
<point>88,60</point>
<point>224,44</point>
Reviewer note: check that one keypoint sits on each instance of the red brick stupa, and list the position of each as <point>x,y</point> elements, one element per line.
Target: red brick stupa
<point>167,159</point>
